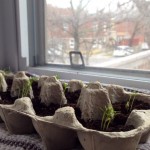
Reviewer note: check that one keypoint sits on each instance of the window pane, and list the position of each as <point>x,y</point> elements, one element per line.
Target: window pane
<point>108,33</point>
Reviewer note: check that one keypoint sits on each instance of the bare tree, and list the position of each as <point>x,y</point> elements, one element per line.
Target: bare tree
<point>86,29</point>
<point>144,9</point>
<point>80,26</point>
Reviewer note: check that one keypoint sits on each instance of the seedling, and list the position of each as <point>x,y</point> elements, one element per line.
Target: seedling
<point>27,87</point>
<point>129,104</point>
<point>108,115</point>
<point>57,76</point>
<point>32,79</point>
<point>7,71</point>
<point>65,85</point>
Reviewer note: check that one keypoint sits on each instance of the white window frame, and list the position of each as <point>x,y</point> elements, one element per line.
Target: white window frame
<point>128,78</point>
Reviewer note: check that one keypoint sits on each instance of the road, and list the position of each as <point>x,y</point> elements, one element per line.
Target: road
<point>97,60</point>
<point>105,60</point>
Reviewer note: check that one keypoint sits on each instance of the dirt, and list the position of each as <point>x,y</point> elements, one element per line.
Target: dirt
<point>5,97</point>
<point>72,97</point>
<point>118,124</point>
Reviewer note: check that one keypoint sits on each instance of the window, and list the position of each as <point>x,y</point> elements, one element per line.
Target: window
<point>101,64</point>
<point>96,28</point>
<point>71,43</point>
<point>65,26</point>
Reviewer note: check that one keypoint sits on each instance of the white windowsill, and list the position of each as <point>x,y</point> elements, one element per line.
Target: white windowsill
<point>127,78</point>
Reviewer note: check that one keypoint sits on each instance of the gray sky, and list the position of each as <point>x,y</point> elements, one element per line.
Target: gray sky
<point>92,6</point>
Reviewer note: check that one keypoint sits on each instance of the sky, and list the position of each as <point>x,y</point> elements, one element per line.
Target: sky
<point>92,6</point>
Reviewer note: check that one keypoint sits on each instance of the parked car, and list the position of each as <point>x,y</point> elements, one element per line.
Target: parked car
<point>123,50</point>
<point>144,46</point>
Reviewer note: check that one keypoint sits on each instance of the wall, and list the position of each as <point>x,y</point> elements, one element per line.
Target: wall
<point>10,34</point>
<point>9,47</point>
<point>1,39</point>
<point>14,42</point>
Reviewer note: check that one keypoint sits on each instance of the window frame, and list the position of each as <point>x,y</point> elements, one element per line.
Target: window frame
<point>36,25</point>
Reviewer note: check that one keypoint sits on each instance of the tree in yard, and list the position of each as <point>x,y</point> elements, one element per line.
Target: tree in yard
<point>144,8</point>
<point>88,31</point>
<point>84,28</point>
<point>127,12</point>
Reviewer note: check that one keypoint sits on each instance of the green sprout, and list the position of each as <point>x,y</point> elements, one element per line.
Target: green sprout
<point>65,85</point>
<point>108,115</point>
<point>7,71</point>
<point>129,104</point>
<point>32,79</point>
<point>27,87</point>
<point>57,76</point>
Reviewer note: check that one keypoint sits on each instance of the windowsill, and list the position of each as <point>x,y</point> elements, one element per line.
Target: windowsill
<point>128,78</point>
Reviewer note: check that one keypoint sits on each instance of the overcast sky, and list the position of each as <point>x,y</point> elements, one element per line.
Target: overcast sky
<point>92,6</point>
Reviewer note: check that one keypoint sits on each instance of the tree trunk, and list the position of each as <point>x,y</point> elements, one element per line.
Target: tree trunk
<point>76,45</point>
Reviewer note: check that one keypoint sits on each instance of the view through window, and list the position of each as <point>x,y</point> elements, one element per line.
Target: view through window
<point>108,33</point>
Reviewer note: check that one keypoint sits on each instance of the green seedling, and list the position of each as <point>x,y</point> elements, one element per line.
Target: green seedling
<point>7,71</point>
<point>65,85</point>
<point>57,76</point>
<point>27,87</point>
<point>108,115</point>
<point>32,79</point>
<point>130,102</point>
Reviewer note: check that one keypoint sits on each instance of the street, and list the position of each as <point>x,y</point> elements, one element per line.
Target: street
<point>99,59</point>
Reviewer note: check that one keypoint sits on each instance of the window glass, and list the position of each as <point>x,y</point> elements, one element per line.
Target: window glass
<point>108,33</point>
